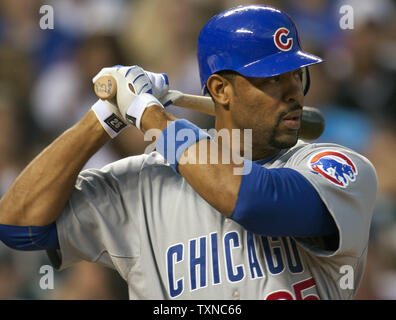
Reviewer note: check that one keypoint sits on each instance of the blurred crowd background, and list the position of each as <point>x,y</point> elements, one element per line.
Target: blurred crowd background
<point>45,87</point>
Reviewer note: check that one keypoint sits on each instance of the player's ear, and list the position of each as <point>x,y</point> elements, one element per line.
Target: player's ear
<point>220,90</point>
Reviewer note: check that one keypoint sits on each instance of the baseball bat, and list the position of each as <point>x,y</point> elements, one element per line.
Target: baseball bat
<point>312,120</point>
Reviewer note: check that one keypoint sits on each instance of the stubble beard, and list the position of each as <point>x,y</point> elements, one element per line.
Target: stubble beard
<point>273,140</point>
<point>282,141</point>
<point>287,139</point>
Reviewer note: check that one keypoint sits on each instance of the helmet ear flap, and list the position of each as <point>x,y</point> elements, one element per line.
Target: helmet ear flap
<point>306,80</point>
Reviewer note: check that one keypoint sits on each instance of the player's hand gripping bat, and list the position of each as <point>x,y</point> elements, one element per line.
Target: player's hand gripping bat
<point>312,124</point>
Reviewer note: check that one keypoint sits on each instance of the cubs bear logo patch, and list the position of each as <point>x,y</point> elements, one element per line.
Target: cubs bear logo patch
<point>335,166</point>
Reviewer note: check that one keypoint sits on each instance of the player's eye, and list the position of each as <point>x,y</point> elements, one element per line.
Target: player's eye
<point>274,79</point>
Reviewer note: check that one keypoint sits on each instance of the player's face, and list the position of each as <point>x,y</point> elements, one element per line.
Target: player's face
<point>271,107</point>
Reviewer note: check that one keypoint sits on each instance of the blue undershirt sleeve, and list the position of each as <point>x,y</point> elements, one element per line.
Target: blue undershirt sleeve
<point>281,202</point>
<point>29,238</point>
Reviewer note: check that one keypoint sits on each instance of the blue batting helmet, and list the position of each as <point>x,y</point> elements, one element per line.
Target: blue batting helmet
<point>255,41</point>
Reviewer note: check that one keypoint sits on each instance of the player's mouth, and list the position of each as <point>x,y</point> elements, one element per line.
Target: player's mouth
<point>292,120</point>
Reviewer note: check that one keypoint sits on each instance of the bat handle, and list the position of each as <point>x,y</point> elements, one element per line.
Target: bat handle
<point>105,87</point>
<point>197,103</point>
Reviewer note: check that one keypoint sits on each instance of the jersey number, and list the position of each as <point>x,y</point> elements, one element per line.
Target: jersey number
<point>298,289</point>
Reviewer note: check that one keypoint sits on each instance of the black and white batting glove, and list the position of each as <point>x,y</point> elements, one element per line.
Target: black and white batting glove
<point>134,92</point>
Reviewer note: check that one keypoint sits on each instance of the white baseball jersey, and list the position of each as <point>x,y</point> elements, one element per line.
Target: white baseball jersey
<point>139,217</point>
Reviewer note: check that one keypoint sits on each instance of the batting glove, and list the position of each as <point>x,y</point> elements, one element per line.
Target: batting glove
<point>134,92</point>
<point>160,88</point>
<point>159,85</point>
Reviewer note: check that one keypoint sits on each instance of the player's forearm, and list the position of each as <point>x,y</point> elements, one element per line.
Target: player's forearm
<point>215,181</point>
<point>41,191</point>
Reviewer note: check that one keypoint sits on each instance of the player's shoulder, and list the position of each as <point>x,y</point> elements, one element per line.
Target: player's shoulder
<point>331,160</point>
<point>138,163</point>
<point>129,166</point>
<point>315,151</point>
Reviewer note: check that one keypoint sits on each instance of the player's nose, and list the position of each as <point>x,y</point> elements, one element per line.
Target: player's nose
<point>293,91</point>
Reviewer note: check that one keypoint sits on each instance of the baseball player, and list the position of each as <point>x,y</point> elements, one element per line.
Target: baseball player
<point>177,227</point>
